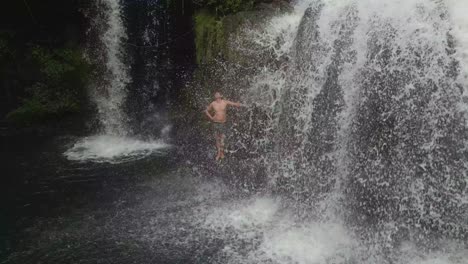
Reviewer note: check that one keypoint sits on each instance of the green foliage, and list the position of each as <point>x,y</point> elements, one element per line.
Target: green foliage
<point>225,7</point>
<point>60,88</point>
<point>209,36</point>
<point>212,34</point>
<point>4,44</point>
<point>3,48</point>
<point>32,111</point>
<point>6,50</point>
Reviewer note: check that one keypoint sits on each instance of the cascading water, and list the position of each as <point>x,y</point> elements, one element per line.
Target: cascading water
<point>359,117</point>
<point>368,121</point>
<point>110,96</point>
<point>117,142</point>
<point>457,12</point>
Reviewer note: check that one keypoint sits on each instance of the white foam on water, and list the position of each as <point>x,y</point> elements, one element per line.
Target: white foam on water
<point>440,258</point>
<point>243,215</point>
<point>308,243</point>
<point>451,253</point>
<point>275,236</point>
<point>113,149</point>
<point>261,230</point>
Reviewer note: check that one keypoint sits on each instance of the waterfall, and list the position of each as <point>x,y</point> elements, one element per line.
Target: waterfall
<point>110,94</point>
<point>118,141</point>
<point>367,107</point>
<point>458,11</point>
<point>352,146</point>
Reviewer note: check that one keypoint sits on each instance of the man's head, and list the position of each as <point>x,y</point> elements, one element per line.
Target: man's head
<point>218,95</point>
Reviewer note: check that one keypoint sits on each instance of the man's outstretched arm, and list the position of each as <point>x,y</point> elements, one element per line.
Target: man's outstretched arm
<point>207,112</point>
<point>234,104</point>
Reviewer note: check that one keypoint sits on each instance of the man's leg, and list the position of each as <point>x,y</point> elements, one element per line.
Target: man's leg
<point>218,146</point>
<point>221,146</point>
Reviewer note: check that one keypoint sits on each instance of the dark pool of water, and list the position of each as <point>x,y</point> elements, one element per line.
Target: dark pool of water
<point>58,211</point>
<point>39,183</point>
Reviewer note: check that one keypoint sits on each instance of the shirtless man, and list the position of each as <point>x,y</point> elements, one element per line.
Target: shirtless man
<point>219,106</point>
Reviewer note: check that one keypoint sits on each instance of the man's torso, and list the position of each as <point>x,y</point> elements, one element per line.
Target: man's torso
<point>220,111</point>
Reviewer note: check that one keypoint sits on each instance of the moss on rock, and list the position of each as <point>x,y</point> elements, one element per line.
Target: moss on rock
<point>226,7</point>
<point>219,37</point>
<point>226,52</point>
<point>209,36</point>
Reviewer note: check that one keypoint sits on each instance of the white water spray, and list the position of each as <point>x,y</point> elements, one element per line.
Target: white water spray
<point>457,11</point>
<point>368,165</point>
<point>115,143</point>
<point>367,118</point>
<point>110,96</point>
<point>112,149</point>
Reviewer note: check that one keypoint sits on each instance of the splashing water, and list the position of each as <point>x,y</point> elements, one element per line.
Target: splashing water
<point>365,145</point>
<point>112,149</point>
<point>110,95</point>
<point>365,142</point>
<point>272,235</point>
<point>115,144</point>
<point>367,120</point>
<point>457,11</point>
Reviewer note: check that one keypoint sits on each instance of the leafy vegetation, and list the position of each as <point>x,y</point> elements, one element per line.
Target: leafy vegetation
<point>60,87</point>
<point>4,49</point>
<point>215,20</point>
<point>43,74</point>
<point>209,36</point>
<point>225,7</point>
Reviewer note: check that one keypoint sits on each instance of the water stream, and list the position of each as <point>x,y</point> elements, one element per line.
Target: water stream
<point>116,140</point>
<point>367,107</point>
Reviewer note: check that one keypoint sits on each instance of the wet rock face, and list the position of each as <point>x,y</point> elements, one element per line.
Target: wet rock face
<point>227,55</point>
